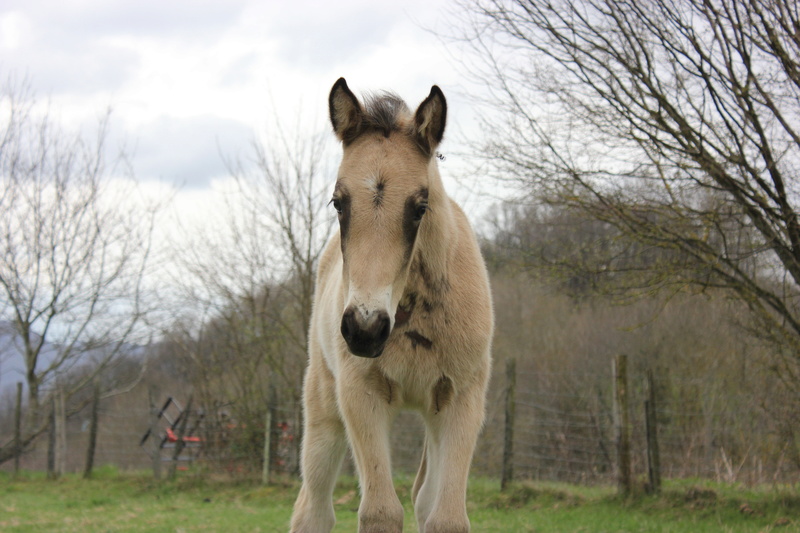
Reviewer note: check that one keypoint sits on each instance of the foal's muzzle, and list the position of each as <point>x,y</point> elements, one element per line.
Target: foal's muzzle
<point>365,334</point>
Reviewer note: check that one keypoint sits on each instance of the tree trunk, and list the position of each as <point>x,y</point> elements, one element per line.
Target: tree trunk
<point>87,473</point>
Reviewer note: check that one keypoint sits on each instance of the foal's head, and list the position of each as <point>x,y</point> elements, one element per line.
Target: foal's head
<point>383,198</point>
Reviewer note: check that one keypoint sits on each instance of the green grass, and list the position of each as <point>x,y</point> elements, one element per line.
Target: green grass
<point>134,502</point>
<point>685,506</point>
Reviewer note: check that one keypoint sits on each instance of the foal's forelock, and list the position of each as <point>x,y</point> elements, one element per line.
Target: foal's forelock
<point>386,112</point>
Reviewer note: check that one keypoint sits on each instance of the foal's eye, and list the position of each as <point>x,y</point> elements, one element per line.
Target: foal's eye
<point>337,204</point>
<point>420,211</point>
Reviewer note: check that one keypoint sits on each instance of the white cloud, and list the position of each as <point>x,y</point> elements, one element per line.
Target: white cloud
<point>187,151</point>
<point>189,79</point>
<point>150,58</point>
<point>14,30</point>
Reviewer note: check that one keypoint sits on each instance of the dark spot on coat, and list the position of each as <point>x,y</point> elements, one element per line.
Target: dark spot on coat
<point>442,393</point>
<point>378,382</point>
<point>436,285</point>
<point>417,339</point>
<point>405,309</point>
<point>401,317</point>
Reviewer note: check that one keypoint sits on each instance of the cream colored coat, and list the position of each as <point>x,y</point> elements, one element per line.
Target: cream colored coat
<point>403,285</point>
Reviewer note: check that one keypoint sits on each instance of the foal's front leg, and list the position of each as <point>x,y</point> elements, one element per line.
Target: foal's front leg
<point>324,446</point>
<point>368,413</point>
<point>452,433</point>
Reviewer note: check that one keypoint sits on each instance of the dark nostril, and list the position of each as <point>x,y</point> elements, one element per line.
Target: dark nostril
<point>384,327</point>
<point>348,325</point>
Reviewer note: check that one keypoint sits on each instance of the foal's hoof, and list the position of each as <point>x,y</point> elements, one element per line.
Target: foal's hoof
<point>371,526</point>
<point>446,526</point>
<point>384,520</point>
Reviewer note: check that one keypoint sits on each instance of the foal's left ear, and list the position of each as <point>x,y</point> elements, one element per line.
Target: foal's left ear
<point>429,121</point>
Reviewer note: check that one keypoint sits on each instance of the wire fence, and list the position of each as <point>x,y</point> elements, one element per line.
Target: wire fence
<point>572,432</point>
<point>565,427</point>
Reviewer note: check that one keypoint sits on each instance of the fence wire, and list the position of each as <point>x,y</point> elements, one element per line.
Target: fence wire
<point>568,433</point>
<point>564,430</point>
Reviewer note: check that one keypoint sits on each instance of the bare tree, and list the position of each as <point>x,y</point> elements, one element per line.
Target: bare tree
<point>260,256</point>
<point>674,121</point>
<point>287,185</point>
<point>251,277</point>
<point>74,252</point>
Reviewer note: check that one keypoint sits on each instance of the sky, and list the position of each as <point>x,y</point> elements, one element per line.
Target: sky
<point>187,80</point>
<point>190,81</point>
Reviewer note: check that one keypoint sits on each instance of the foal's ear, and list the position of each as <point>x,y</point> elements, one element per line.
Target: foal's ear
<point>429,121</point>
<point>345,110</point>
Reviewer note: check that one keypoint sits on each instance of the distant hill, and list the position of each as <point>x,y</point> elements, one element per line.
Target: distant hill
<point>12,362</point>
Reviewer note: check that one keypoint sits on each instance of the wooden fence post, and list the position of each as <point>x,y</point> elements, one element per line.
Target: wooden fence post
<point>154,436</point>
<point>508,440</point>
<point>51,441</point>
<point>61,436</point>
<point>267,447</point>
<point>622,422</point>
<point>653,454</point>
<point>18,430</point>
<point>90,449</point>
<point>270,442</point>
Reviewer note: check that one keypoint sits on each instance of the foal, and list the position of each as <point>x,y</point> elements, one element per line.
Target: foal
<point>402,320</point>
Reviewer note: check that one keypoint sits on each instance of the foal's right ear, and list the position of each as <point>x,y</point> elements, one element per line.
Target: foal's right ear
<point>345,110</point>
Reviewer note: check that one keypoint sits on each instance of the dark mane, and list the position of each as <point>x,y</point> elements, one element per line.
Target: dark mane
<point>385,112</point>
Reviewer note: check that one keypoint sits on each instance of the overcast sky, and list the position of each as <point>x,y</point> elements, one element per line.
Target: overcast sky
<point>187,80</point>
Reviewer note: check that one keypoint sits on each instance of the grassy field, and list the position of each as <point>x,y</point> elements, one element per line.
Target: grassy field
<point>130,502</point>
